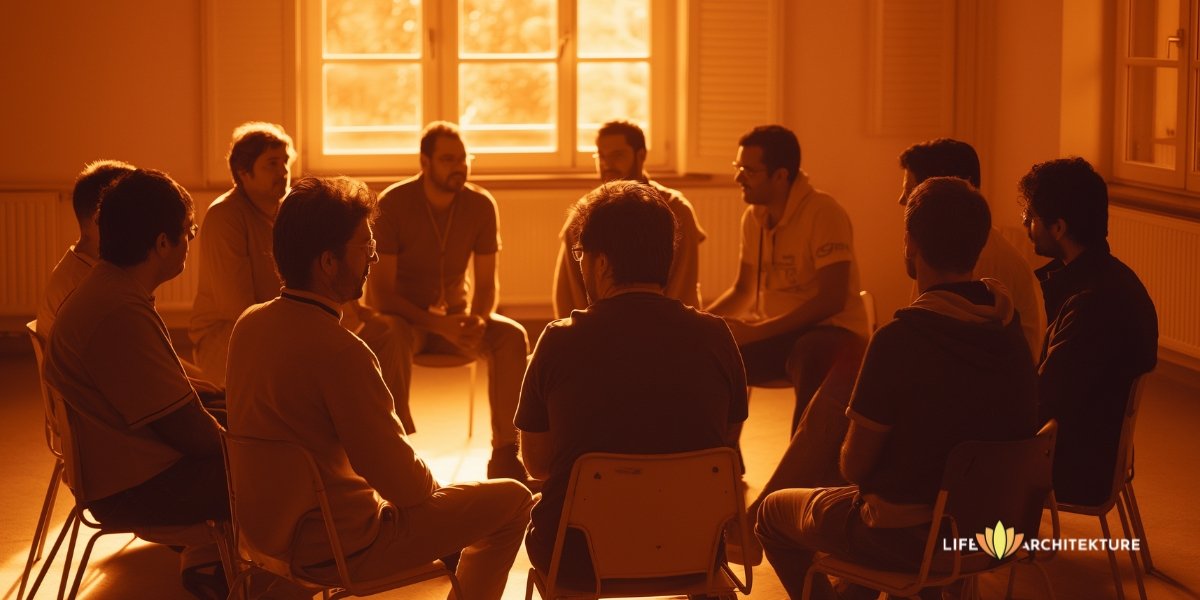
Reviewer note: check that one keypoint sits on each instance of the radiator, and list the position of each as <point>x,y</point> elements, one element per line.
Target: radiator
<point>29,248</point>
<point>1165,254</point>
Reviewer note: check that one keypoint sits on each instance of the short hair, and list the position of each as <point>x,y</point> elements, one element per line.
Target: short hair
<point>949,221</point>
<point>629,223</point>
<point>97,175</point>
<point>780,148</point>
<point>634,136</point>
<point>318,214</point>
<point>1071,190</point>
<point>250,140</point>
<point>433,131</point>
<point>943,157</point>
<point>135,210</point>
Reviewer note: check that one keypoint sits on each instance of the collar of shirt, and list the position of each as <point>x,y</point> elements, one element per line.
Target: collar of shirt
<point>325,304</point>
<point>1061,281</point>
<point>797,197</point>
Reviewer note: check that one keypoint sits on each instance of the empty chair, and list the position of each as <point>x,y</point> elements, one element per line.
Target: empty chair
<point>287,487</point>
<point>653,523</point>
<point>984,483</point>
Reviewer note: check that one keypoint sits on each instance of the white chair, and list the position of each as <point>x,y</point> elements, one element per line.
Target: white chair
<point>653,523</point>
<point>983,482</point>
<point>1121,497</point>
<point>288,487</point>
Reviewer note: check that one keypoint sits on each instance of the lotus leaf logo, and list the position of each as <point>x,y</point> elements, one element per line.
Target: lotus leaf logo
<point>999,542</point>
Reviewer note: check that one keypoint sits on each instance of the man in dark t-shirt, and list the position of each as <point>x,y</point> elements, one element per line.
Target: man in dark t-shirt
<point>953,366</point>
<point>636,372</point>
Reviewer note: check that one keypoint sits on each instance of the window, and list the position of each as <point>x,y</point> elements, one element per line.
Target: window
<point>528,81</point>
<point>1158,90</point>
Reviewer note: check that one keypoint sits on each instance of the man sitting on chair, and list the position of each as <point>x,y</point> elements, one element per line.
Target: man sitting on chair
<point>953,366</point>
<point>149,452</point>
<point>636,372</point>
<point>295,374</point>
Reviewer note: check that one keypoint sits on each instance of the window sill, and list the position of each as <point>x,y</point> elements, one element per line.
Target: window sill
<point>1171,203</point>
<point>557,181</point>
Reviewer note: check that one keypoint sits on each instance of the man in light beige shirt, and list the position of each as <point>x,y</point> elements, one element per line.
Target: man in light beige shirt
<point>297,375</point>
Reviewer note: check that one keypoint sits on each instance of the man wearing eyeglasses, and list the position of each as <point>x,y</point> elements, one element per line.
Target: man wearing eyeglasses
<point>296,375</point>
<point>794,307</point>
<point>621,155</point>
<point>148,452</point>
<point>430,228</point>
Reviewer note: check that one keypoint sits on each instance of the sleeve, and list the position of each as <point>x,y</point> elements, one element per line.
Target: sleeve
<point>874,402</point>
<point>751,231</point>
<point>386,229</point>
<point>363,415</point>
<point>488,241</point>
<point>1076,350</point>
<point>739,405</point>
<point>832,237</point>
<point>533,415</point>
<point>135,368</point>
<point>225,261</point>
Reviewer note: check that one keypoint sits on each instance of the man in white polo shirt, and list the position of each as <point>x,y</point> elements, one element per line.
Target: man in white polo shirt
<point>794,307</point>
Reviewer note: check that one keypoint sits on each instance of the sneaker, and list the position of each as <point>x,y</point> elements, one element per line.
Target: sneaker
<point>505,464</point>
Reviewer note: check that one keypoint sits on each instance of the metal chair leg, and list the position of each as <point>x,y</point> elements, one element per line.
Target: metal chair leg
<point>1139,528</point>
<point>62,534</point>
<point>83,562</point>
<point>1133,555</point>
<point>62,585</point>
<point>43,526</point>
<point>1112,560</point>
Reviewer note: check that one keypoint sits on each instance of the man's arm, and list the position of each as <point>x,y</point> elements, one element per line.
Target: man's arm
<point>382,295</point>
<point>190,430</point>
<point>487,285</point>
<point>833,283</point>
<point>862,448</point>
<point>738,298</point>
<point>536,453</point>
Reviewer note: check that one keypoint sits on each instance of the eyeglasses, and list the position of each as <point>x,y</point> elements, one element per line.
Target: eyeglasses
<point>451,160</point>
<point>1027,216</point>
<point>577,253</point>
<point>192,231</point>
<point>740,169</point>
<point>611,157</point>
<point>370,246</point>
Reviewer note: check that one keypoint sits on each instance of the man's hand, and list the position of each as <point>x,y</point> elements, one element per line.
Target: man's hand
<point>464,331</point>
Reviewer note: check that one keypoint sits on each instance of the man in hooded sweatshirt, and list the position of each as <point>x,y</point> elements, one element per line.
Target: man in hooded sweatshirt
<point>951,367</point>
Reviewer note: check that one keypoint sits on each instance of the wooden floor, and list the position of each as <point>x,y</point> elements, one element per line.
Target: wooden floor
<point>1168,451</point>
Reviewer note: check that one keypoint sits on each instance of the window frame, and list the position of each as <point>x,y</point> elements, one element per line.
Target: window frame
<point>439,99</point>
<point>1184,177</point>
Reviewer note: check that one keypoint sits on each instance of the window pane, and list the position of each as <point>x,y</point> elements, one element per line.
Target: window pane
<point>373,27</point>
<point>1152,116</point>
<point>610,91</point>
<point>1151,23</point>
<point>370,106</point>
<point>614,28</point>
<point>509,107</point>
<point>507,27</point>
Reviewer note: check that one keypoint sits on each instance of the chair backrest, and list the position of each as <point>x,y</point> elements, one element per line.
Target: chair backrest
<point>986,482</point>
<point>1123,470</point>
<point>273,485</point>
<point>39,354</point>
<point>653,515</point>
<point>869,304</point>
<point>60,421</point>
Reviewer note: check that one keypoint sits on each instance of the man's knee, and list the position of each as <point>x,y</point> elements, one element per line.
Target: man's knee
<point>504,334</point>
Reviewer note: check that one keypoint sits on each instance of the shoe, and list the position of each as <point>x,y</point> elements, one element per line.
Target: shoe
<point>505,464</point>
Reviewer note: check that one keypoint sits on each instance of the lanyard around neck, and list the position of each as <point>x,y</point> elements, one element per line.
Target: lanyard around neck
<point>443,236</point>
